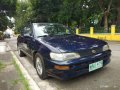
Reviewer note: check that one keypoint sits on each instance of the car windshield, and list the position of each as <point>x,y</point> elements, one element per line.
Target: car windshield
<point>50,29</point>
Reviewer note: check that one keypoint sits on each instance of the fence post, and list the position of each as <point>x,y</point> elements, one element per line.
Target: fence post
<point>112,32</point>
<point>77,31</point>
<point>112,29</point>
<point>91,31</point>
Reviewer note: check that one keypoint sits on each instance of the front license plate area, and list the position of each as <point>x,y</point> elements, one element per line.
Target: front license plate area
<point>95,65</point>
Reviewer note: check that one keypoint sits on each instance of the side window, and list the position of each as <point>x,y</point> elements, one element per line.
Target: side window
<point>27,31</point>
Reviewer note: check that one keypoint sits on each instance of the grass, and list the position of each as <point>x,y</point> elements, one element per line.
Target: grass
<point>14,82</point>
<point>21,77</point>
<point>1,66</point>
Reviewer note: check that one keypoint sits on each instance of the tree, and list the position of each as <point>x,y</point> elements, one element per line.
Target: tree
<point>3,22</point>
<point>105,7</point>
<point>118,10</point>
<point>82,13</point>
<point>7,8</point>
<point>46,10</point>
<point>24,14</point>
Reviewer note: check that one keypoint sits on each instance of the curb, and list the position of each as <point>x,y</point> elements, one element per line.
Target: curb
<point>31,82</point>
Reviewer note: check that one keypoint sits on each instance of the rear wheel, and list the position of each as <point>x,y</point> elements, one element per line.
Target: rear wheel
<point>40,66</point>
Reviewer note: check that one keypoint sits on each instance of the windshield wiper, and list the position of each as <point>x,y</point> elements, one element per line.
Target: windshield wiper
<point>67,34</point>
<point>42,36</point>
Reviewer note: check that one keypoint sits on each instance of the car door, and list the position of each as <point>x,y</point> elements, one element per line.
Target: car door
<point>28,38</point>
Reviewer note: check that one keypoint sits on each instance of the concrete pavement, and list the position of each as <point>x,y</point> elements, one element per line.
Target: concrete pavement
<point>9,78</point>
<point>107,78</point>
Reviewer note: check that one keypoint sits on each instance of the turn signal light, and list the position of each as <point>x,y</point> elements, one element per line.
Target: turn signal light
<point>61,67</point>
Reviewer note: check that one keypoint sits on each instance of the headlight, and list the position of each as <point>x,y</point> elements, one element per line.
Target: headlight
<point>105,47</point>
<point>64,56</point>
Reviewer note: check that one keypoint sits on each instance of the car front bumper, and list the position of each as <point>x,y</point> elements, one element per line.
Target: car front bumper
<point>78,66</point>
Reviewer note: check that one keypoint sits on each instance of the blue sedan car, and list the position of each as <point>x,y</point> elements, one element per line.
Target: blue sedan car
<point>59,54</point>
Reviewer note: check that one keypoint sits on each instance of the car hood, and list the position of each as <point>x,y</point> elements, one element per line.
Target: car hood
<point>72,43</point>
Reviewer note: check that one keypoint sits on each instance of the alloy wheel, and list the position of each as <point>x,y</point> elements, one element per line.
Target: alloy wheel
<point>39,66</point>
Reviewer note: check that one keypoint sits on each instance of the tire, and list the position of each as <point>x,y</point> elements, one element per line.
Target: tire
<point>40,67</point>
<point>21,54</point>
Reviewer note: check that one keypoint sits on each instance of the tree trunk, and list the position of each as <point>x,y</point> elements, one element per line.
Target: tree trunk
<point>118,16</point>
<point>106,22</point>
<point>106,14</point>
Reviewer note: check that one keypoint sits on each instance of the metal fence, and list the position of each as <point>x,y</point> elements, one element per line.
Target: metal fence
<point>114,34</point>
<point>98,30</point>
<point>117,29</point>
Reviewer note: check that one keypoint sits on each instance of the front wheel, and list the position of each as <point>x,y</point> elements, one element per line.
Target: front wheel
<point>40,67</point>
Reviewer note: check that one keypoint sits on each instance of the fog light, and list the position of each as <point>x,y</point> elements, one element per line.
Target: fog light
<point>61,67</point>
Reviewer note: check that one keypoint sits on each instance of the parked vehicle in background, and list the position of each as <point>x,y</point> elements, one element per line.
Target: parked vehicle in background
<point>59,54</point>
<point>8,33</point>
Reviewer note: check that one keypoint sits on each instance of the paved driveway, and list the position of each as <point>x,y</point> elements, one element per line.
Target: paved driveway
<point>107,78</point>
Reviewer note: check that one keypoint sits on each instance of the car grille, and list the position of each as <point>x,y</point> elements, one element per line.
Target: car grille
<point>85,65</point>
<point>90,52</point>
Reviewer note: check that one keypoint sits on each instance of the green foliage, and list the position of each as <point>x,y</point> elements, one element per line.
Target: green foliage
<point>1,66</point>
<point>7,8</point>
<point>3,22</point>
<point>23,14</point>
<point>21,77</point>
<point>82,13</point>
